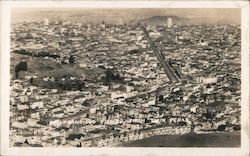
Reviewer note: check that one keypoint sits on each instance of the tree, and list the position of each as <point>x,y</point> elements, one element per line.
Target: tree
<point>104,137</point>
<point>237,127</point>
<point>31,80</point>
<point>209,115</point>
<point>161,98</point>
<point>221,127</point>
<point>26,141</point>
<point>22,66</point>
<point>111,76</point>
<point>71,59</point>
<point>79,145</point>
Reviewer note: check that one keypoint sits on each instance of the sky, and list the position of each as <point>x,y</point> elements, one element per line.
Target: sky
<point>97,15</point>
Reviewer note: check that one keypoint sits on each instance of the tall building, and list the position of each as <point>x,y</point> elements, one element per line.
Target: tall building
<point>169,22</point>
<point>120,21</point>
<point>46,21</point>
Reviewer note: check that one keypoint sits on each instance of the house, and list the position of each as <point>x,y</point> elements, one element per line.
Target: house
<point>32,122</point>
<point>92,110</point>
<point>35,115</point>
<point>81,99</point>
<point>219,122</point>
<point>38,97</point>
<point>18,138</point>
<point>29,77</point>
<point>62,102</point>
<point>100,143</point>
<point>129,88</point>
<point>23,98</point>
<point>208,80</point>
<point>22,106</point>
<point>71,109</point>
<point>55,134</point>
<point>55,123</point>
<point>53,90</point>
<point>193,109</point>
<point>19,124</point>
<point>57,109</point>
<point>151,102</point>
<point>72,92</point>
<point>86,143</point>
<point>46,78</point>
<point>59,114</point>
<point>220,115</point>
<point>34,140</point>
<point>37,104</point>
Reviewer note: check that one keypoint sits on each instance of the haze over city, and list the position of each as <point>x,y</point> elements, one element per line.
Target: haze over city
<point>84,15</point>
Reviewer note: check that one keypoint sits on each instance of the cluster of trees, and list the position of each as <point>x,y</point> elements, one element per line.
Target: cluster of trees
<point>47,54</point>
<point>134,51</point>
<point>22,66</point>
<point>111,76</point>
<point>209,115</point>
<point>74,136</point>
<point>72,60</point>
<point>22,52</point>
<point>63,85</point>
<point>37,54</point>
<point>71,85</point>
<point>223,127</point>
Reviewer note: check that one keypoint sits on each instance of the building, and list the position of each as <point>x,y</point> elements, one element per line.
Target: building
<point>46,21</point>
<point>169,22</point>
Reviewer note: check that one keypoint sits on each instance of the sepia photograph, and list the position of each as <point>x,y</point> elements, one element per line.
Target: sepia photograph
<point>126,77</point>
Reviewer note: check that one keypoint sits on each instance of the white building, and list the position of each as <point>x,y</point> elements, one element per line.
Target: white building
<point>208,80</point>
<point>22,107</point>
<point>23,98</point>
<point>46,21</point>
<point>38,104</point>
<point>169,22</point>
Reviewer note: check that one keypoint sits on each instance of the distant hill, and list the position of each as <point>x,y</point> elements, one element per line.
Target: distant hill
<point>161,20</point>
<point>114,16</point>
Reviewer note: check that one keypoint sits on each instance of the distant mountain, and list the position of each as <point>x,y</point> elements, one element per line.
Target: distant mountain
<point>74,16</point>
<point>161,20</point>
<point>114,16</point>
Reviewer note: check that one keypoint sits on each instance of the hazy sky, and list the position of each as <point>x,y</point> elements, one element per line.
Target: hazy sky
<point>28,14</point>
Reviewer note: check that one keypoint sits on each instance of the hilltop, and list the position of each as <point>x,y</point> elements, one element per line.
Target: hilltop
<point>161,20</point>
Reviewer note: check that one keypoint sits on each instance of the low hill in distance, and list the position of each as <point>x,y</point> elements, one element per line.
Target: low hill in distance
<point>161,20</point>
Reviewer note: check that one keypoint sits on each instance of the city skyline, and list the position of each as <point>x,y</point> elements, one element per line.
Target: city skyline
<point>96,15</point>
